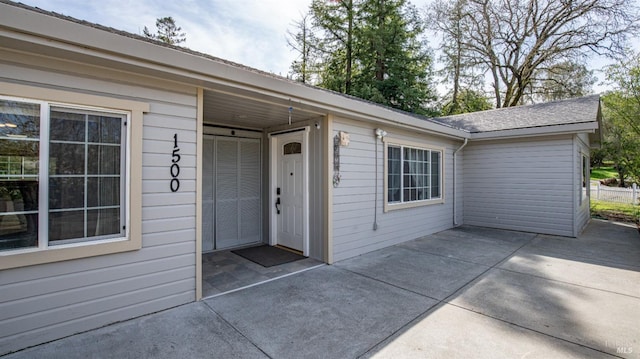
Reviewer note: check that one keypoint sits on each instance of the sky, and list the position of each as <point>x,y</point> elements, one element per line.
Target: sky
<point>249,32</point>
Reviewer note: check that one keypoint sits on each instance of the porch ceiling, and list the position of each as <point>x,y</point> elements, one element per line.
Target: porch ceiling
<point>255,111</point>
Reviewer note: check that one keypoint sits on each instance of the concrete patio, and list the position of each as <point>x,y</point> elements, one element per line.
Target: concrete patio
<point>465,292</point>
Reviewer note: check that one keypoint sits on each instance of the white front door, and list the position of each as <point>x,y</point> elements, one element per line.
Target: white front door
<point>290,189</point>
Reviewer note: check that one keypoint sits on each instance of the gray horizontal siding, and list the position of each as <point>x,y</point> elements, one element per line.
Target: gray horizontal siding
<point>522,185</point>
<point>49,301</point>
<point>354,198</point>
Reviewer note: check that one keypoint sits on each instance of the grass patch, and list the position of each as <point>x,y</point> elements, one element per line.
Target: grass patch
<point>615,211</point>
<point>600,173</point>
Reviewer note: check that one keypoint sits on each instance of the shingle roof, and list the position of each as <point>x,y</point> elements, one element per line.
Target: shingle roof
<point>564,112</point>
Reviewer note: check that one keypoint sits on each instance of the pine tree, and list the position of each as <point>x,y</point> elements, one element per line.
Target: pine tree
<point>373,49</point>
<point>167,31</point>
<point>394,63</point>
<point>305,43</point>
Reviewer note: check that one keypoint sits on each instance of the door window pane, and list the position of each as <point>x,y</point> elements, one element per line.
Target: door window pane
<point>292,148</point>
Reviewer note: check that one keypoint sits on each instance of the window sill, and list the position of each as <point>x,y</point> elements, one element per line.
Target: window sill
<point>395,206</point>
<point>28,257</point>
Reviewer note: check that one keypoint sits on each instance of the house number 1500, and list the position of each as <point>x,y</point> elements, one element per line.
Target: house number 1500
<point>175,168</point>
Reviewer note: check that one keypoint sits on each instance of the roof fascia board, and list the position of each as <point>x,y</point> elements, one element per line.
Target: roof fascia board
<point>74,37</point>
<point>585,127</point>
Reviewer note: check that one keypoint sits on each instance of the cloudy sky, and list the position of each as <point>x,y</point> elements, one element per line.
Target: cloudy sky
<point>250,32</point>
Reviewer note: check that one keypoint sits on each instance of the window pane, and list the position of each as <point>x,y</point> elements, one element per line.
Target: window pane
<point>18,159</point>
<point>105,129</point>
<point>66,225</point>
<point>18,214</point>
<point>19,120</point>
<point>292,148</point>
<point>101,222</point>
<point>18,230</point>
<point>18,196</point>
<point>393,176</point>
<point>103,191</point>
<point>66,159</point>
<point>103,160</point>
<point>66,192</point>
<point>407,180</point>
<point>67,126</point>
<point>417,175</point>
<point>435,174</point>
<point>19,151</point>
<point>85,167</point>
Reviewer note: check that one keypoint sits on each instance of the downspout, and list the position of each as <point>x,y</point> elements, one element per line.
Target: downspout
<point>380,133</point>
<point>455,221</point>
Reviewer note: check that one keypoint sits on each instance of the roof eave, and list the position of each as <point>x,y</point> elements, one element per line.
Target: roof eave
<point>584,127</point>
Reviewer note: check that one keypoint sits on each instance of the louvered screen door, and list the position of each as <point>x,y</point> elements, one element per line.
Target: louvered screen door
<point>236,191</point>
<point>208,170</point>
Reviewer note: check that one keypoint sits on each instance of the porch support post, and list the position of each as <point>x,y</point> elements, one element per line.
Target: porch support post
<point>199,140</point>
<point>328,186</point>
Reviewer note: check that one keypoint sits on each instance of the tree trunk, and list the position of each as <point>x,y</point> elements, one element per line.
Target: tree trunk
<point>347,84</point>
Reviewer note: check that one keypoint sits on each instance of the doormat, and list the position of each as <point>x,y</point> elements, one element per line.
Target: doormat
<point>267,256</point>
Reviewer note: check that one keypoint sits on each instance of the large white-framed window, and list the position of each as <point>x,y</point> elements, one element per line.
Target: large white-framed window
<point>70,175</point>
<point>413,175</point>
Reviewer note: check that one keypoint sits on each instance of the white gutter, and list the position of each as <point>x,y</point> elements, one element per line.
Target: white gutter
<point>586,127</point>
<point>455,153</point>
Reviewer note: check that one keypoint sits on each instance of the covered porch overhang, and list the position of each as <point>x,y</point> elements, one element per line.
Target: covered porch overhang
<point>229,113</point>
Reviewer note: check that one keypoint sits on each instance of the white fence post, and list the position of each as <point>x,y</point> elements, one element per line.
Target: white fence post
<point>634,199</point>
<point>598,191</point>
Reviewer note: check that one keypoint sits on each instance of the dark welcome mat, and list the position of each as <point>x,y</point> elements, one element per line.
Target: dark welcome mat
<point>267,256</point>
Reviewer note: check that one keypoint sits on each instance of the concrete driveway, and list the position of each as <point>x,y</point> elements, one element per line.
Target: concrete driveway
<point>465,292</point>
